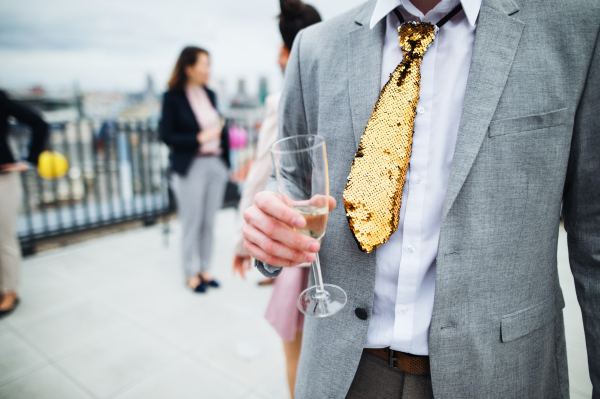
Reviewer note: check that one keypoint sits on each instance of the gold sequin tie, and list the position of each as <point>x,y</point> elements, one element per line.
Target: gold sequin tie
<point>373,194</point>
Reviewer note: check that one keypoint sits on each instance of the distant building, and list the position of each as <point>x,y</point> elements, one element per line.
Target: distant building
<point>53,108</point>
<point>104,105</point>
<point>241,99</point>
<point>263,90</point>
<point>37,91</point>
<point>149,85</point>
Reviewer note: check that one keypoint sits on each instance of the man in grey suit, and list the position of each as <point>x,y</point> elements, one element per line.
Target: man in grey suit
<point>507,129</point>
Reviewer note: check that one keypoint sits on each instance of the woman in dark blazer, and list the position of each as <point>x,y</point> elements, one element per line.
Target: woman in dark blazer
<point>10,195</point>
<point>199,158</point>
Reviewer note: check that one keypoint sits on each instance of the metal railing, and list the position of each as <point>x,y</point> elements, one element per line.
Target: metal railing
<point>117,172</point>
<point>115,176</point>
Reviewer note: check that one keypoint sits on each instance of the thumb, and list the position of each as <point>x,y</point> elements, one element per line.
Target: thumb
<point>332,203</point>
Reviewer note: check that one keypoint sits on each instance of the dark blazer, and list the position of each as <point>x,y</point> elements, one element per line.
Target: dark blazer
<point>179,128</point>
<point>28,117</point>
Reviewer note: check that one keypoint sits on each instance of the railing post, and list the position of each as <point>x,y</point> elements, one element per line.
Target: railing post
<point>125,168</point>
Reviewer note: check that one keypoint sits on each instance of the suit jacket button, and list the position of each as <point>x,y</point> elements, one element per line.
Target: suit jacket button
<point>361,313</point>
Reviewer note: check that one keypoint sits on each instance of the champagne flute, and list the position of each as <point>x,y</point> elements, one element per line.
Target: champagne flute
<point>300,164</point>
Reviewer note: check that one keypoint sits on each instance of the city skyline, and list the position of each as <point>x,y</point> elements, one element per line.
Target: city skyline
<point>114,45</point>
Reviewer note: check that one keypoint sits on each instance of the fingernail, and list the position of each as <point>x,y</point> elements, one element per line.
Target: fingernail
<point>310,257</point>
<point>314,247</point>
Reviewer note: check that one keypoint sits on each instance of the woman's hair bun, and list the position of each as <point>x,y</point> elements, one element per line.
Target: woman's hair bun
<point>295,16</point>
<point>291,9</point>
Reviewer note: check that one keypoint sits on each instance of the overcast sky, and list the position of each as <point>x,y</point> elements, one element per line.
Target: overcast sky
<point>114,44</point>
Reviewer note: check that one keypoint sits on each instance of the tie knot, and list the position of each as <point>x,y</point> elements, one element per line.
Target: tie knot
<point>415,38</point>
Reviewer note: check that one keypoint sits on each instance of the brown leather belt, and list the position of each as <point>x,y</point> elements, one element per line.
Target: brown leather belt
<point>411,364</point>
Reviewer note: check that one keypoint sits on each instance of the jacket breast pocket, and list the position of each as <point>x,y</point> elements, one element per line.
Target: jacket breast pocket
<point>501,127</point>
<point>525,321</point>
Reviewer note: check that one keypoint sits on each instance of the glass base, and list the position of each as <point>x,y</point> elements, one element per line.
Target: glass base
<point>322,305</point>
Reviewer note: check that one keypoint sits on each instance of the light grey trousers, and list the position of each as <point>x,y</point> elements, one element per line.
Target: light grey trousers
<point>376,379</point>
<point>199,197</point>
<point>10,252</point>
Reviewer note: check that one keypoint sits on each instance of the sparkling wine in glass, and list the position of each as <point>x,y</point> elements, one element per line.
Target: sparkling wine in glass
<point>300,164</point>
<point>316,220</point>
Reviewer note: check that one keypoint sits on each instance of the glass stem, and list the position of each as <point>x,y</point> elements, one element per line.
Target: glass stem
<point>316,266</point>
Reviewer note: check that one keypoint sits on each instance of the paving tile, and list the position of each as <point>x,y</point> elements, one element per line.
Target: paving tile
<point>115,362</point>
<point>71,330</point>
<point>143,299</point>
<point>187,379</point>
<point>192,319</point>
<point>579,377</point>
<point>275,386</point>
<point>37,306</point>
<point>155,269</point>
<point>3,328</point>
<point>574,330</point>
<point>247,351</point>
<point>39,278</point>
<point>47,383</point>
<point>100,268</point>
<point>573,320</point>
<point>99,249</point>
<point>17,358</point>
<point>579,395</point>
<point>249,299</point>
<point>254,395</point>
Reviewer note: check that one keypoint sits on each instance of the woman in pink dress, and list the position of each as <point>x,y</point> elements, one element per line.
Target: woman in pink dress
<point>282,312</point>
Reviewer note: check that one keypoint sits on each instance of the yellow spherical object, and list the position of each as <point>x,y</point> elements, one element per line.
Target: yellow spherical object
<point>52,165</point>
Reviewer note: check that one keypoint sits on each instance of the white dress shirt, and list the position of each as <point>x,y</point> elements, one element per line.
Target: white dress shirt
<point>405,280</point>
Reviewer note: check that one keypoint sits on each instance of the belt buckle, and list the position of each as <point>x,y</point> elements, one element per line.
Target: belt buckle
<point>392,359</point>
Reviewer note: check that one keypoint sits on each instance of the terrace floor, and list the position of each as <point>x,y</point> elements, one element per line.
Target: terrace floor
<point>111,318</point>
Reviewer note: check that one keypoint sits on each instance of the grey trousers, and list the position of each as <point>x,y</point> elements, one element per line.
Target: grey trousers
<point>375,379</point>
<point>199,197</point>
<point>10,252</point>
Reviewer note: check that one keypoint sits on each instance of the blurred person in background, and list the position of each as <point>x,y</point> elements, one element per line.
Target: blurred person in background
<point>282,311</point>
<point>192,128</point>
<point>10,195</point>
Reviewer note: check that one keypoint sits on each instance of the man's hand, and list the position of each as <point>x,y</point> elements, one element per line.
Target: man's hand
<point>14,167</point>
<point>269,234</point>
<point>241,264</point>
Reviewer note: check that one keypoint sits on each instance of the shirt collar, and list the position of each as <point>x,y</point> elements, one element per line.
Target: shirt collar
<point>384,7</point>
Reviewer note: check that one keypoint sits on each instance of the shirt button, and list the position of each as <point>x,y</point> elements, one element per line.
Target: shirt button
<point>417,179</point>
<point>403,310</point>
<point>411,248</point>
<point>361,313</point>
<point>421,110</point>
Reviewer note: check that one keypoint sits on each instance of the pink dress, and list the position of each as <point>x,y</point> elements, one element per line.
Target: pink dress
<point>282,312</point>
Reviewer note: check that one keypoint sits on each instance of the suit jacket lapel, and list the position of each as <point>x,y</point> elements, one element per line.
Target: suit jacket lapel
<point>496,40</point>
<point>365,51</point>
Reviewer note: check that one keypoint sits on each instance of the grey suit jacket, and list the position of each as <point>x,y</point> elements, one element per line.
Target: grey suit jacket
<point>529,140</point>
